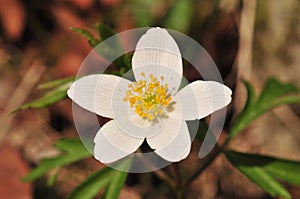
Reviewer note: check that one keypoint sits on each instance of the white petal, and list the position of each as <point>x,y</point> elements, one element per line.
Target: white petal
<point>155,50</point>
<point>112,144</point>
<point>159,137</point>
<point>201,98</point>
<point>179,148</point>
<point>94,93</point>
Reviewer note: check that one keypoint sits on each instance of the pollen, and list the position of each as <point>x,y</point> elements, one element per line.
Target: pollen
<point>148,98</point>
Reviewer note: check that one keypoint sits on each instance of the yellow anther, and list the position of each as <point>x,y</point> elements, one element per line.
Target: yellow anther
<point>149,99</point>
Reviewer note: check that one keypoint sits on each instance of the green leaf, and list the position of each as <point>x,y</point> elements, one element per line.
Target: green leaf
<point>104,31</point>
<point>265,181</point>
<point>250,95</point>
<point>55,83</point>
<point>85,33</point>
<point>127,60</point>
<point>108,178</point>
<point>180,15</point>
<point>117,180</point>
<point>273,94</point>
<point>73,150</point>
<point>203,132</point>
<point>92,185</point>
<point>264,170</point>
<point>69,145</point>
<point>141,11</point>
<point>110,48</point>
<point>49,98</point>
<point>286,170</point>
<point>273,89</point>
<point>111,51</point>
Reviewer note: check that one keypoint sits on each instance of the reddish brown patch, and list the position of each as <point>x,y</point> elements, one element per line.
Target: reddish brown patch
<point>12,169</point>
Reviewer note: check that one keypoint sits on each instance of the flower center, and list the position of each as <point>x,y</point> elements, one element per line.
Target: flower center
<point>149,99</point>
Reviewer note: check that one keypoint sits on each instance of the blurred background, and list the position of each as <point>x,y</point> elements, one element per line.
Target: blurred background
<point>251,40</point>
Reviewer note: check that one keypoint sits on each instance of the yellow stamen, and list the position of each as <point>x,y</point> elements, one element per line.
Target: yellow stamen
<point>148,98</point>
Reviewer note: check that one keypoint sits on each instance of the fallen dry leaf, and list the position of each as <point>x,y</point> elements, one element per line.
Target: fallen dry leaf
<point>12,16</point>
<point>12,169</point>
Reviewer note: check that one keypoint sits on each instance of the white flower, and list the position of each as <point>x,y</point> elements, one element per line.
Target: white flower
<point>151,108</point>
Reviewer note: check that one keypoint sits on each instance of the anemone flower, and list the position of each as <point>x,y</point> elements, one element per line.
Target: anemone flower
<point>151,108</point>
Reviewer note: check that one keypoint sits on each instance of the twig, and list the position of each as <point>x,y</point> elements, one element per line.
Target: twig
<point>18,97</point>
<point>289,118</point>
<point>162,175</point>
<point>206,162</point>
<point>244,57</point>
<point>243,65</point>
<point>177,173</point>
